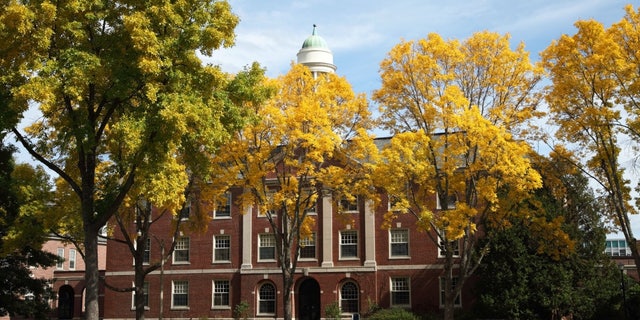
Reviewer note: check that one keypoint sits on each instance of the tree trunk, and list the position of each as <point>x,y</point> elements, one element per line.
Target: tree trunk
<point>286,294</point>
<point>92,273</point>
<point>138,295</point>
<point>449,294</point>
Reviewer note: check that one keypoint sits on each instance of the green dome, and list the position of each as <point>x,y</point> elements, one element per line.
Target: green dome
<point>314,41</point>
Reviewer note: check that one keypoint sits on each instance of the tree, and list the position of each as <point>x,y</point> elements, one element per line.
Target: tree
<point>593,99</point>
<point>123,96</point>
<point>580,280</point>
<point>135,220</point>
<point>21,237</point>
<point>309,138</point>
<point>454,109</point>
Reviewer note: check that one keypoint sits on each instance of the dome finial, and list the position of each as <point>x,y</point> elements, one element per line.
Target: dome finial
<point>314,29</point>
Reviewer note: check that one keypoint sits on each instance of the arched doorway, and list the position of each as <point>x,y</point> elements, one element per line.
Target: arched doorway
<point>309,300</point>
<point>65,302</point>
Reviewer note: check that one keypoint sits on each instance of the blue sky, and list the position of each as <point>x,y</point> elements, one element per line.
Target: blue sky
<point>361,33</point>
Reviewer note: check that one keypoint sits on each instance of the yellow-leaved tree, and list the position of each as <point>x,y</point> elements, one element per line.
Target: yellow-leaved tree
<point>594,99</point>
<point>122,95</point>
<point>308,141</point>
<point>455,160</point>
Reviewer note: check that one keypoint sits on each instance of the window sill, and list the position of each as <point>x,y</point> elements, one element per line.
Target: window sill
<point>399,257</point>
<point>181,263</point>
<point>308,259</point>
<point>348,259</point>
<point>179,308</point>
<point>222,218</point>
<point>221,262</point>
<point>221,308</point>
<point>267,260</point>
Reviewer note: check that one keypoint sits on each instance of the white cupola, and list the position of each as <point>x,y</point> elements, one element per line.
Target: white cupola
<point>315,54</point>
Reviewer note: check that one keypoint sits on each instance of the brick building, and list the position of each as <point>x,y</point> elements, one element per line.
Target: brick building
<point>67,278</point>
<point>356,264</point>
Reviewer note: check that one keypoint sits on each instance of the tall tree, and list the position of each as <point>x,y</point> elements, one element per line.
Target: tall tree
<point>310,137</point>
<point>122,93</point>
<point>594,100</point>
<point>22,233</point>
<point>454,108</point>
<point>578,280</point>
<point>135,219</point>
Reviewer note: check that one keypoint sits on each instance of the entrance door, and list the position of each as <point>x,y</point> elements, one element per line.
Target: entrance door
<point>65,302</point>
<point>309,300</point>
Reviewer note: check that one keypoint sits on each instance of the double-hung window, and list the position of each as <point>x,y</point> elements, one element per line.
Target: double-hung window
<point>454,281</point>
<point>308,247</point>
<point>72,259</point>
<point>185,212</point>
<point>60,262</point>
<point>349,206</point>
<point>348,244</point>
<point>223,207</point>
<point>454,246</point>
<point>221,294</point>
<point>399,242</point>
<point>400,292</point>
<point>145,297</point>
<point>181,250</point>
<point>267,247</point>
<point>349,298</point>
<point>146,255</point>
<point>267,299</point>
<point>222,248</point>
<point>180,294</point>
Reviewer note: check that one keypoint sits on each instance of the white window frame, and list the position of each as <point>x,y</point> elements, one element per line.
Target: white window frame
<point>221,238</point>
<point>313,210</point>
<point>349,243</point>
<point>179,287</point>
<point>399,237</point>
<point>271,300</point>
<point>396,287</point>
<point>453,200</point>
<point>60,262</point>
<point>145,289</point>
<point>458,301</point>
<point>441,244</point>
<point>266,240</point>
<point>310,241</point>
<point>617,248</point>
<point>147,252</point>
<point>342,299</point>
<point>182,246</point>
<point>347,206</point>
<point>218,288</point>
<point>269,213</point>
<point>226,214</point>
<point>185,212</point>
<point>72,259</point>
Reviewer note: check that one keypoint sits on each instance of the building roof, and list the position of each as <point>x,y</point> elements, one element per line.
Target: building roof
<point>314,40</point>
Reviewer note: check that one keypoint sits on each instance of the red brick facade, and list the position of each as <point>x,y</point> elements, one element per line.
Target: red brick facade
<point>319,281</point>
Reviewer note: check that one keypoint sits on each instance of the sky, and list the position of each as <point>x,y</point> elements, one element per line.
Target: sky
<point>361,33</point>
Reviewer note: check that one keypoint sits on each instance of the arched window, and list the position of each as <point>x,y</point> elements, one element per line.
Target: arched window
<point>267,299</point>
<point>349,297</point>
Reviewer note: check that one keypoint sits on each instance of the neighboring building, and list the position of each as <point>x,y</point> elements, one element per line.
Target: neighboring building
<point>356,264</point>
<point>67,278</point>
<point>619,251</point>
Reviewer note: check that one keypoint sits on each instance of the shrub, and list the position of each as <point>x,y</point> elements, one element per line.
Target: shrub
<point>241,311</point>
<point>393,314</point>
<point>332,311</point>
